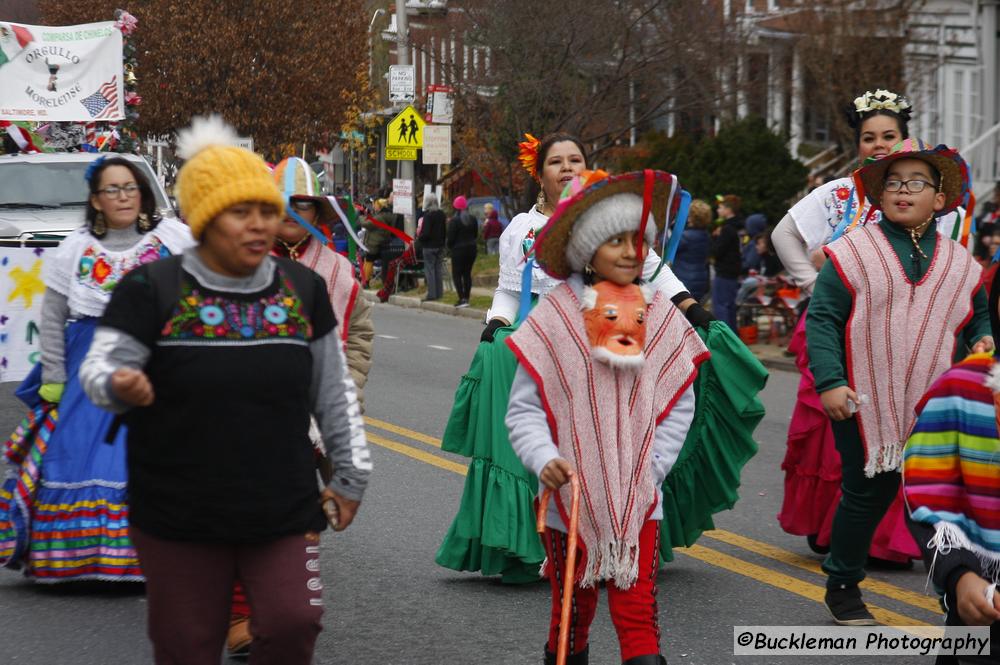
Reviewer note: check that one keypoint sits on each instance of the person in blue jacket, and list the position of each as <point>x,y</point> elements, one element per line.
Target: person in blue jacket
<point>691,264</point>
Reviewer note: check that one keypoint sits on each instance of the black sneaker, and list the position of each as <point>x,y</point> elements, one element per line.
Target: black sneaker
<point>847,608</point>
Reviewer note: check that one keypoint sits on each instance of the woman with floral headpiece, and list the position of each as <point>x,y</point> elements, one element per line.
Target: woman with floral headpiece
<point>812,464</point>
<point>493,530</point>
<point>63,512</point>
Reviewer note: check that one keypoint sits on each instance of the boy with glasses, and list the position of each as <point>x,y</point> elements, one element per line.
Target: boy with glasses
<point>890,310</point>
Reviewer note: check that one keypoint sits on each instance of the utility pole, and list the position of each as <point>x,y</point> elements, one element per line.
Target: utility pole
<point>403,58</point>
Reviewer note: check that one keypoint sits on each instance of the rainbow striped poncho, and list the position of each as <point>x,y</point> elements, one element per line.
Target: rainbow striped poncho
<point>951,463</point>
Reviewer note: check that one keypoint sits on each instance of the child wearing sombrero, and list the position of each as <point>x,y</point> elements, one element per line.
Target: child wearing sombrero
<point>603,391</point>
<point>890,310</point>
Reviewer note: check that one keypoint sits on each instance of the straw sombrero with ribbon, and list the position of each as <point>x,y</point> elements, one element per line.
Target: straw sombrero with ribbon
<point>569,238</point>
<point>954,171</point>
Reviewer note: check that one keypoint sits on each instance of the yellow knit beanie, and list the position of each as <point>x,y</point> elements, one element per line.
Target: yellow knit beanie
<point>219,174</point>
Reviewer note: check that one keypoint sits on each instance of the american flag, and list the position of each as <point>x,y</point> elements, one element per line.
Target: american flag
<point>103,104</point>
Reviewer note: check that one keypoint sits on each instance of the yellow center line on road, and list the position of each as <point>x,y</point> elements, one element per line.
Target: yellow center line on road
<point>402,431</point>
<point>797,560</point>
<point>417,454</point>
<point>786,582</point>
<point>706,554</point>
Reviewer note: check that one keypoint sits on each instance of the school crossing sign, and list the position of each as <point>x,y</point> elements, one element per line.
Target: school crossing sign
<point>405,135</point>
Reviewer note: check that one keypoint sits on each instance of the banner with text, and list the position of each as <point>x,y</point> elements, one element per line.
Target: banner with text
<point>68,73</point>
<point>21,291</point>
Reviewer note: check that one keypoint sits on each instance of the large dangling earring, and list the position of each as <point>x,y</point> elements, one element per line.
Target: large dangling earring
<point>100,225</point>
<point>143,224</point>
<point>540,201</point>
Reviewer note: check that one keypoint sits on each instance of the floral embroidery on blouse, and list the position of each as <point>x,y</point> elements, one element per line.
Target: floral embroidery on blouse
<point>528,242</point>
<point>101,270</point>
<point>207,317</point>
<point>836,203</point>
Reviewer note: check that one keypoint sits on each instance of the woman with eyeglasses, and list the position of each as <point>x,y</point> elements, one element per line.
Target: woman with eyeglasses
<point>63,514</point>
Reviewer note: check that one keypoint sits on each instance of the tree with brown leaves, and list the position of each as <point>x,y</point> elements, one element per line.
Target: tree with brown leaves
<point>287,74</point>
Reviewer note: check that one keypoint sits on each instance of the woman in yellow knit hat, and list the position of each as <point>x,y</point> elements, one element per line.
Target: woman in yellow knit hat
<point>217,359</point>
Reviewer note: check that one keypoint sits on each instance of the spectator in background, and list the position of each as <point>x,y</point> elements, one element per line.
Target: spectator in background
<point>691,263</point>
<point>376,236</point>
<point>765,266</point>
<point>432,237</point>
<point>725,251</point>
<point>990,212</point>
<point>492,230</point>
<point>754,226</point>
<point>462,236</point>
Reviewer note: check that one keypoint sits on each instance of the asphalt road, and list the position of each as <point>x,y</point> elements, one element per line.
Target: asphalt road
<point>387,601</point>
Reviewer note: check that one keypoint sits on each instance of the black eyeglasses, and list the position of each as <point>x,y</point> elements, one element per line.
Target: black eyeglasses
<point>912,186</point>
<point>113,191</point>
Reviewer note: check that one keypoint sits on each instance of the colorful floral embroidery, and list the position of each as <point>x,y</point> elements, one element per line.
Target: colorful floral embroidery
<point>208,317</point>
<point>836,201</point>
<point>528,242</point>
<point>101,270</point>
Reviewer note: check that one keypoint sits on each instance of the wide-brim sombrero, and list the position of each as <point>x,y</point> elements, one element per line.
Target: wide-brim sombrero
<point>297,180</point>
<point>870,178</point>
<point>550,245</point>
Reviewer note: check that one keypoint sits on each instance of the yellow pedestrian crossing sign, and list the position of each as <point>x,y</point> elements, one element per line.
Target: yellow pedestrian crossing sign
<point>406,130</point>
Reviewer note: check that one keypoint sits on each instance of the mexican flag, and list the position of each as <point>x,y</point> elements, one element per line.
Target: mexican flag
<point>13,39</point>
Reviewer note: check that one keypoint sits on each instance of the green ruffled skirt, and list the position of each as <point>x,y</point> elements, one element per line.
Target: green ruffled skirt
<point>706,476</point>
<point>494,530</point>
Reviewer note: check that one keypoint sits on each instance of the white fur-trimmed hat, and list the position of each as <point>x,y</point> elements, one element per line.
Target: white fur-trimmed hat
<point>605,219</point>
<point>599,206</point>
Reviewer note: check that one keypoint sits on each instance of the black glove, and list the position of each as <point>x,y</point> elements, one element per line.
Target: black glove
<point>699,316</point>
<point>491,328</point>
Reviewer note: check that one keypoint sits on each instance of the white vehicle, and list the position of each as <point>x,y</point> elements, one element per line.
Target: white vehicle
<point>43,196</point>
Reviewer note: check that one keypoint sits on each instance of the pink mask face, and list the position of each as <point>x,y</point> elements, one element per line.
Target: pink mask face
<point>617,322</point>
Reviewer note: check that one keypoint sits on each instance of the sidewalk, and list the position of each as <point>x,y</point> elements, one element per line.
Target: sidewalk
<point>770,355</point>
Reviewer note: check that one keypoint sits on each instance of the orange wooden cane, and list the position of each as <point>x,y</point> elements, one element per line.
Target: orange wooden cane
<point>570,572</point>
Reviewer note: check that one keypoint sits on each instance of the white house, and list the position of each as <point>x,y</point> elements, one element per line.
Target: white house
<point>953,72</point>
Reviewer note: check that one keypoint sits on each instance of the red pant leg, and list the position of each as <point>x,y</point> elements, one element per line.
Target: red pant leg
<point>633,610</point>
<point>584,600</point>
<point>188,593</point>
<point>283,584</point>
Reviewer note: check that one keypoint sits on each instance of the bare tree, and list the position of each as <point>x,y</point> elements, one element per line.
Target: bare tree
<point>600,70</point>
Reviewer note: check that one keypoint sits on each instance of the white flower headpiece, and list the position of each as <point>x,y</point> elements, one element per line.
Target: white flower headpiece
<point>880,99</point>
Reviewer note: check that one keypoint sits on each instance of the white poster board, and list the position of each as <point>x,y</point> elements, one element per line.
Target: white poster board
<point>71,73</point>
<point>21,290</point>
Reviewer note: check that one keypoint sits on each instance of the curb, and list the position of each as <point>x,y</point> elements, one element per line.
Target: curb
<point>436,307</point>
<point>771,362</point>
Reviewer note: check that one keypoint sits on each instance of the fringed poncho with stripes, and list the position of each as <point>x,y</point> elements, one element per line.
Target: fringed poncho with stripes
<point>603,420</point>
<point>951,463</point>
